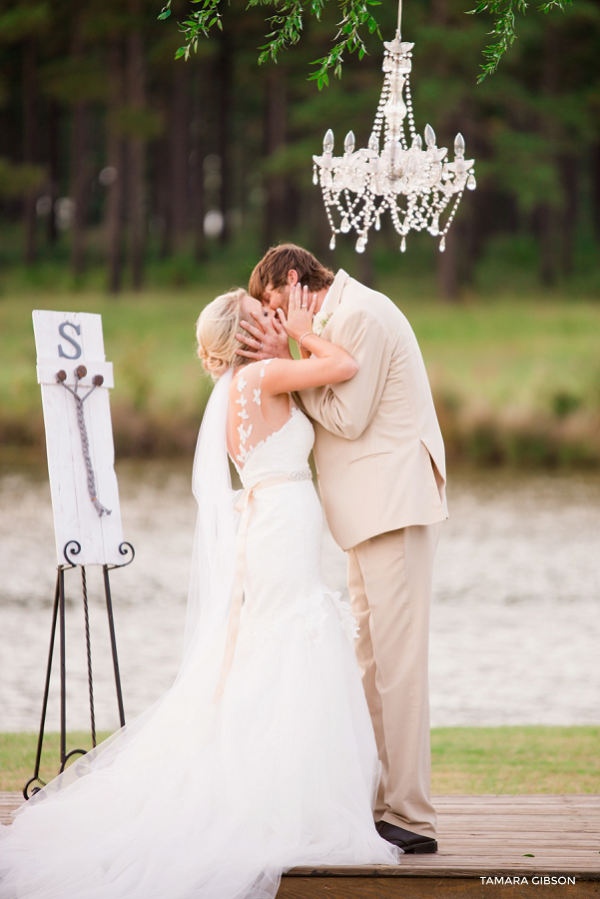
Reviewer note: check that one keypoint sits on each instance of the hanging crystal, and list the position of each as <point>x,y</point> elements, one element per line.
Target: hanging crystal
<point>403,245</point>
<point>443,244</point>
<point>332,242</point>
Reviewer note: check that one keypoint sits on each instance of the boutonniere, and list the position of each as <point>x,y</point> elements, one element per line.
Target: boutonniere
<point>320,320</point>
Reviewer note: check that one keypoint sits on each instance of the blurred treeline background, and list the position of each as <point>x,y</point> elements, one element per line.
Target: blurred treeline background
<point>145,185</point>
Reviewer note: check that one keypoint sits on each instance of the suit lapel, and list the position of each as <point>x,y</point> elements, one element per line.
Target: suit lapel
<point>339,282</point>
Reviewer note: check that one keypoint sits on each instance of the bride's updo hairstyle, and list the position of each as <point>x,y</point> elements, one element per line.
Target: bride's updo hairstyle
<point>216,328</point>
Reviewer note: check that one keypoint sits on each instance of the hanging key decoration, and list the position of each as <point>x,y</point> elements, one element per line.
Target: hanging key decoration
<point>97,381</point>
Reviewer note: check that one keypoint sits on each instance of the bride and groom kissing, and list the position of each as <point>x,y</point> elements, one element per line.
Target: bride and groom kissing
<point>268,752</point>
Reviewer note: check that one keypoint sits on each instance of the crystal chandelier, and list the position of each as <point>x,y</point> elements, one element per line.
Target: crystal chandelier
<point>363,183</point>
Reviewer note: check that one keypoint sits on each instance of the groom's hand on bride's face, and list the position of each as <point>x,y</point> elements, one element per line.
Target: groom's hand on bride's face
<point>268,339</point>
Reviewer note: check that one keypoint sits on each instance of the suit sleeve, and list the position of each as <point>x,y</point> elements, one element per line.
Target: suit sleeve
<point>347,409</point>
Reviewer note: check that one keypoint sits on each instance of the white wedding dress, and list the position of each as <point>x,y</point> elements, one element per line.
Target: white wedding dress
<point>204,797</point>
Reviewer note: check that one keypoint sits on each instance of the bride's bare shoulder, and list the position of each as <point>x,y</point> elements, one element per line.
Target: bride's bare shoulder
<point>248,377</point>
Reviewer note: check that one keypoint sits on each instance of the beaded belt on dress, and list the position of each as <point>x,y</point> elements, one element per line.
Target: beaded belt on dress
<point>244,506</point>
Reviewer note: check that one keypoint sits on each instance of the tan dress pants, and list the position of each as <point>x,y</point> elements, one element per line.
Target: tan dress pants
<point>389,579</point>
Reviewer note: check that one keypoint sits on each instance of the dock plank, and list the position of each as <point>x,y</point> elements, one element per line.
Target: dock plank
<point>479,837</point>
<point>542,836</point>
<point>427,888</point>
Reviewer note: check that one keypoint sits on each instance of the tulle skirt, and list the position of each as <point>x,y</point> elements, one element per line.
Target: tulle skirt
<point>206,800</point>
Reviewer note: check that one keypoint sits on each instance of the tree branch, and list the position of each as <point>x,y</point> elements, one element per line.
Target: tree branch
<point>504,27</point>
<point>357,19</point>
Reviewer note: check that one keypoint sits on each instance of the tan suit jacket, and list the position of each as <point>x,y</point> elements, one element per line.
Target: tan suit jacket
<point>378,447</point>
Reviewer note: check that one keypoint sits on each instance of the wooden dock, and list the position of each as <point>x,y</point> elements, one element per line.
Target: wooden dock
<point>489,846</point>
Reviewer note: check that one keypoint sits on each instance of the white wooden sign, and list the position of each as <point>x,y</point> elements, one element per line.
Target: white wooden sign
<point>85,494</point>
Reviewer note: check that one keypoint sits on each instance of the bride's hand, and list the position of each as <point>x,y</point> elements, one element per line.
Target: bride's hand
<point>299,319</point>
<point>268,340</point>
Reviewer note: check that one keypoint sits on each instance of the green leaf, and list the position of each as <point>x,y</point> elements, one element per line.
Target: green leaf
<point>288,25</point>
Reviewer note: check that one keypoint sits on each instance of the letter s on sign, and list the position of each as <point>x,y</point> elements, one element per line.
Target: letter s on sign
<point>72,341</point>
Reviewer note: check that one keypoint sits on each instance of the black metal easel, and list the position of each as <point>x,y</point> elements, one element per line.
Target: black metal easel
<point>71,550</point>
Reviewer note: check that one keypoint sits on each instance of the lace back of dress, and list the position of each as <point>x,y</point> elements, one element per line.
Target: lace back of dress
<point>247,426</point>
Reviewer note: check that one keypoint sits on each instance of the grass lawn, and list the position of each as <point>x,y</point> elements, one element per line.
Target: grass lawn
<point>466,760</point>
<point>510,365</point>
<point>17,755</point>
<point>471,760</point>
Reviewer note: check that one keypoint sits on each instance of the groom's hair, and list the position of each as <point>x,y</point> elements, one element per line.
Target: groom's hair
<point>273,269</point>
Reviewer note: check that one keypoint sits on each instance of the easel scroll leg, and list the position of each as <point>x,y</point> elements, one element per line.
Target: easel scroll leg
<point>88,647</point>
<point>64,755</point>
<point>63,670</point>
<point>113,643</point>
<point>38,757</point>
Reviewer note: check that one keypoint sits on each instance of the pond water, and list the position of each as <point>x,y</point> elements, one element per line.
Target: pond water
<point>515,634</point>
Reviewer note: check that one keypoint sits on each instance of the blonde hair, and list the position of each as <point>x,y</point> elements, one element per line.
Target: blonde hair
<point>216,328</point>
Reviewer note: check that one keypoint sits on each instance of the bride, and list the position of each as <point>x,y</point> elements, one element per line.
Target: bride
<point>262,755</point>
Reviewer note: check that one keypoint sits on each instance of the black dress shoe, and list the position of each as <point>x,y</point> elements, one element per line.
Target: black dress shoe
<point>405,839</point>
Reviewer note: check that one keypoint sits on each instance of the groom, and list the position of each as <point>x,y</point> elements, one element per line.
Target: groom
<point>381,469</point>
